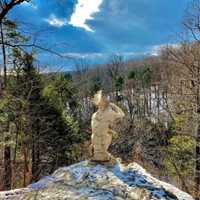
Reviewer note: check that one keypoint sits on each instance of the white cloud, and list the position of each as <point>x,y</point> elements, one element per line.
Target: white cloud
<point>155,49</point>
<point>84,11</point>
<point>83,55</point>
<point>55,21</point>
<point>31,5</point>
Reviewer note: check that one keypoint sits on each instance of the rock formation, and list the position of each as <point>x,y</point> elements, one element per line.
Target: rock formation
<point>88,181</point>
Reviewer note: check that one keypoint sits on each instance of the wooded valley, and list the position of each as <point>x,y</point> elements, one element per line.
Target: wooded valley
<point>45,117</point>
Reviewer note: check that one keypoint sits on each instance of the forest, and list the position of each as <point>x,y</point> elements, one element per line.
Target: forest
<point>45,118</point>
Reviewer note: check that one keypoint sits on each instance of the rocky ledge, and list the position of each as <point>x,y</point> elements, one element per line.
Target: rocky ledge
<point>85,180</point>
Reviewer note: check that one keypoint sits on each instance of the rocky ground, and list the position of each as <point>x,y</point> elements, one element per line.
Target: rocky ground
<point>91,181</point>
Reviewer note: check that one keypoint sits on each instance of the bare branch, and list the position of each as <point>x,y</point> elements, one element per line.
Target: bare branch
<point>7,6</point>
<point>22,46</point>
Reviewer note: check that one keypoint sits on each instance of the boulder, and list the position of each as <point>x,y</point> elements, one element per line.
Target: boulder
<point>86,180</point>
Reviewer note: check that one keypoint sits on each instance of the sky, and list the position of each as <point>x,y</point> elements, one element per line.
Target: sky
<point>95,30</point>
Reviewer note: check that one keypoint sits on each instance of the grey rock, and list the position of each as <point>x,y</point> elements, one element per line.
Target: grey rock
<point>88,181</point>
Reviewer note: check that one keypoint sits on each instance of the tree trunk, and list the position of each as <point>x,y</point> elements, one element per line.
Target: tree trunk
<point>35,152</point>
<point>197,168</point>
<point>26,165</point>
<point>7,168</point>
<point>15,157</point>
<point>4,55</point>
<point>7,172</point>
<point>197,149</point>
<point>34,165</point>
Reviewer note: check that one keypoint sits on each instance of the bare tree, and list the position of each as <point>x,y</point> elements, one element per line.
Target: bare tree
<point>4,54</point>
<point>114,69</point>
<point>187,59</point>
<point>192,19</point>
<point>192,25</point>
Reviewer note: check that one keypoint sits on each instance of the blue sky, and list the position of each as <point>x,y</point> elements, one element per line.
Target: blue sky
<point>97,29</point>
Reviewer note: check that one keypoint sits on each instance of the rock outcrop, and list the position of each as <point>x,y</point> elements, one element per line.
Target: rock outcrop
<point>91,181</point>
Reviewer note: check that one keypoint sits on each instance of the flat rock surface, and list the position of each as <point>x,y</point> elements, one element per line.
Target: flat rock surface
<point>89,181</point>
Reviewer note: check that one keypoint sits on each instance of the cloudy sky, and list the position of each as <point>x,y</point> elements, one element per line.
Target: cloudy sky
<point>96,29</point>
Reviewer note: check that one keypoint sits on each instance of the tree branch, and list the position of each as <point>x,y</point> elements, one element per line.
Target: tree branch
<point>6,7</point>
<point>22,46</point>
